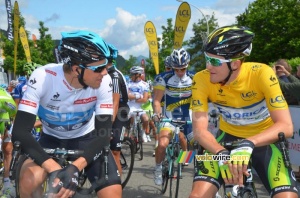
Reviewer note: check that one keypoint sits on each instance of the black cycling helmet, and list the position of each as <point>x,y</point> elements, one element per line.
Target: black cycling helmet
<point>30,67</point>
<point>82,47</point>
<point>180,58</point>
<point>230,42</point>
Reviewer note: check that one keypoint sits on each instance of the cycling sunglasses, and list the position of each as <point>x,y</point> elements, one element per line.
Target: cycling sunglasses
<point>97,68</point>
<point>216,62</point>
<point>180,69</point>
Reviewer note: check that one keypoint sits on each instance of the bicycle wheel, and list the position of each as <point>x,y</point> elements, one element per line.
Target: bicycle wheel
<point>248,194</point>
<point>165,176</point>
<point>178,177</point>
<point>127,160</point>
<point>1,169</point>
<point>171,177</point>
<point>140,142</point>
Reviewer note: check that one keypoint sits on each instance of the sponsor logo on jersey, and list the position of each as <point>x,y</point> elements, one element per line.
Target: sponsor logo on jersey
<point>107,106</point>
<point>273,80</point>
<point>197,103</point>
<point>28,103</point>
<point>248,95</point>
<point>86,100</point>
<point>51,72</point>
<point>55,97</point>
<point>278,101</point>
<point>32,81</point>
<point>255,67</point>
<point>220,92</point>
<point>67,85</point>
<point>179,89</point>
<point>52,107</point>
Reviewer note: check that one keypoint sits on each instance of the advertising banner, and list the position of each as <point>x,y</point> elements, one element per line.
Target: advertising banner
<point>150,33</point>
<point>183,17</point>
<point>10,35</point>
<point>294,142</point>
<point>16,33</point>
<point>24,41</point>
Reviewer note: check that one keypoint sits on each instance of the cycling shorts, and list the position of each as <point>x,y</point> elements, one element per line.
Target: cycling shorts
<point>120,122</point>
<point>267,162</point>
<point>166,126</point>
<point>96,168</point>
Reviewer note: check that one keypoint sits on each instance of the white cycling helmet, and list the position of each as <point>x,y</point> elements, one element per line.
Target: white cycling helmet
<point>180,58</point>
<point>136,70</point>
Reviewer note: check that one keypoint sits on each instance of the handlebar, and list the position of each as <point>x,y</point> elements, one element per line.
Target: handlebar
<point>63,152</point>
<point>173,121</point>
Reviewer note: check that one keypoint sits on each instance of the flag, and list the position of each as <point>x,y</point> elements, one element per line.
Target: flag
<point>34,40</point>
<point>24,41</point>
<point>182,20</point>
<point>9,20</point>
<point>16,33</point>
<point>56,55</point>
<point>150,33</point>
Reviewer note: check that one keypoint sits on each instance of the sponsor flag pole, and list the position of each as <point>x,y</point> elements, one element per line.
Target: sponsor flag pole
<point>150,33</point>
<point>183,17</point>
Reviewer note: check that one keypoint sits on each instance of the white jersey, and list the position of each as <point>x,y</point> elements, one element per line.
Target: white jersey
<point>140,88</point>
<point>64,111</point>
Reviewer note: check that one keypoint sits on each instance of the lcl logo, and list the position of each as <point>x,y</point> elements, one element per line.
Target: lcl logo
<point>149,30</point>
<point>179,29</point>
<point>184,13</point>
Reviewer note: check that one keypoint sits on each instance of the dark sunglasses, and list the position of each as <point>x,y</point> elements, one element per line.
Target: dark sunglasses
<point>181,69</point>
<point>97,68</point>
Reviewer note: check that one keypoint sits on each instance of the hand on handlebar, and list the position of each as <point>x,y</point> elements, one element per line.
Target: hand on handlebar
<point>240,157</point>
<point>64,181</point>
<point>156,117</point>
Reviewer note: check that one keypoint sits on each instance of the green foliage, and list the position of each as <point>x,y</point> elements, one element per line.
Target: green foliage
<point>276,27</point>
<point>195,43</point>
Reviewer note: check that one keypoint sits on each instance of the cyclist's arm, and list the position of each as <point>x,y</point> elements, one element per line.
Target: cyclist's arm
<point>23,124</point>
<point>116,100</point>
<point>157,99</point>
<point>277,107</point>
<point>202,135</point>
<point>282,123</point>
<point>144,99</point>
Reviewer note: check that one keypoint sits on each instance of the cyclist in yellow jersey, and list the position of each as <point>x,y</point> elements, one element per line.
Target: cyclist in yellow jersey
<point>252,108</point>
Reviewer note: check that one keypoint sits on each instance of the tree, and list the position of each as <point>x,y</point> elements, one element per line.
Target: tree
<point>196,42</point>
<point>276,27</point>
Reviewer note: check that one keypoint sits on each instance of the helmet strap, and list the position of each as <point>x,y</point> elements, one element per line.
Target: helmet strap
<point>223,82</point>
<point>80,77</point>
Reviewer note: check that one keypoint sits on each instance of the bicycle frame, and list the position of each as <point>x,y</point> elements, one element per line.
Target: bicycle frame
<point>136,132</point>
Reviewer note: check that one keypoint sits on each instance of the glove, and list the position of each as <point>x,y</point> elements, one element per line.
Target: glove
<point>68,177</point>
<point>224,169</point>
<point>242,153</point>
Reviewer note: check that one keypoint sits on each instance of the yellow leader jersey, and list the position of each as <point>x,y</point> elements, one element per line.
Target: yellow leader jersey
<point>244,103</point>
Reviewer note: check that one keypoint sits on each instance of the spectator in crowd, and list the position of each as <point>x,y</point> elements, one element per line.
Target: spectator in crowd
<point>289,84</point>
<point>291,87</point>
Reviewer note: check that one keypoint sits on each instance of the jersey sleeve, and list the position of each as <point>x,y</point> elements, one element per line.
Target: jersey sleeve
<point>159,83</point>
<point>104,104</point>
<point>36,87</point>
<point>269,84</point>
<point>7,103</point>
<point>199,101</point>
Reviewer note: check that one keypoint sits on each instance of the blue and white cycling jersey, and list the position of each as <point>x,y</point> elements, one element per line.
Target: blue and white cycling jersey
<point>49,95</point>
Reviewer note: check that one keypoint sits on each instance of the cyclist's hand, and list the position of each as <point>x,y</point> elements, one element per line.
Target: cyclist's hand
<point>67,178</point>
<point>156,117</point>
<point>224,169</point>
<point>240,157</point>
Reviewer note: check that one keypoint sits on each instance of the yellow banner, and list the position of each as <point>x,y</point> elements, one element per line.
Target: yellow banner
<point>16,33</point>
<point>150,33</point>
<point>24,41</point>
<point>182,20</point>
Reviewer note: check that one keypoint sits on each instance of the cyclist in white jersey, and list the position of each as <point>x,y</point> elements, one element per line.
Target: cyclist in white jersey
<point>74,103</point>
<point>137,95</point>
